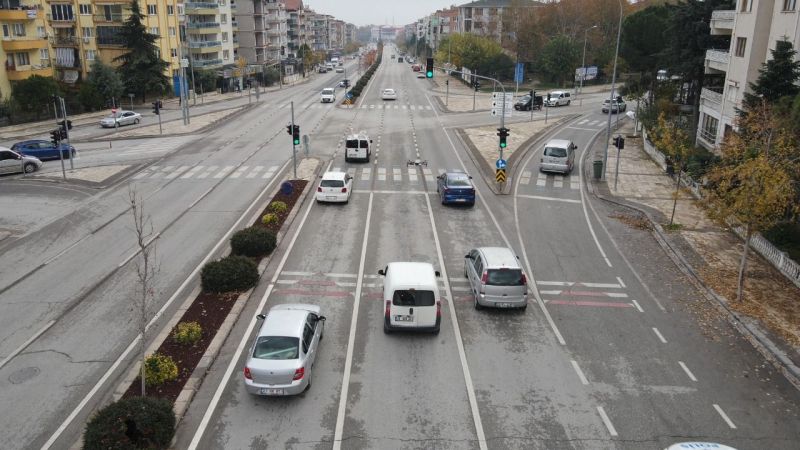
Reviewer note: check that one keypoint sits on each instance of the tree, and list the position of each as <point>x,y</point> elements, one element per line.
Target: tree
<point>101,86</point>
<point>559,58</point>
<point>675,143</point>
<point>478,53</point>
<point>777,77</point>
<point>751,185</point>
<point>141,69</point>
<point>644,40</point>
<point>34,93</point>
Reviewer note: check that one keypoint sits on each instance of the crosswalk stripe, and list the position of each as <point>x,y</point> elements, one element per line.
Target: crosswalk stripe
<point>141,174</point>
<point>239,171</point>
<point>573,184</point>
<point>223,172</point>
<point>396,175</point>
<point>207,172</point>
<point>336,169</point>
<point>365,174</point>
<point>381,174</point>
<point>177,172</point>
<point>351,171</point>
<point>254,172</point>
<point>412,175</point>
<point>192,172</point>
<point>405,106</point>
<point>270,172</point>
<point>441,171</point>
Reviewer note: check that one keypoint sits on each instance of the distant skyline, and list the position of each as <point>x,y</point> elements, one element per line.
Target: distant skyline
<point>379,12</point>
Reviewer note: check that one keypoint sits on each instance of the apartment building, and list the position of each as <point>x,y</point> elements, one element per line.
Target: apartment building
<point>62,38</point>
<point>754,27</point>
<point>208,34</point>
<point>336,34</point>
<point>485,17</point>
<point>321,31</point>
<point>263,30</point>
<point>296,32</point>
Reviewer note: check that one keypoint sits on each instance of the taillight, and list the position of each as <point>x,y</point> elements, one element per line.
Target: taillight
<point>524,279</point>
<point>438,309</point>
<point>344,190</point>
<point>388,311</point>
<point>485,277</point>
<point>299,374</point>
<point>319,189</point>
<point>247,373</point>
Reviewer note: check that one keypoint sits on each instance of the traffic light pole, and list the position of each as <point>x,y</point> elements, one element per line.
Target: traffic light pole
<point>66,134</point>
<point>294,152</point>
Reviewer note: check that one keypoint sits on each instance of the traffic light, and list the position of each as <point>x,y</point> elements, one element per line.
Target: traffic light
<point>503,133</point>
<point>62,133</point>
<point>157,107</point>
<point>296,135</point>
<point>65,125</point>
<point>289,129</point>
<point>429,68</point>
<point>476,84</point>
<point>55,136</point>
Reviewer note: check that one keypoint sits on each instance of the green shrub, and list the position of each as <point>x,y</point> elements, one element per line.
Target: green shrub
<point>278,207</point>
<point>187,333</point>
<point>270,219</point>
<point>253,241</point>
<point>131,423</point>
<point>229,274</point>
<point>158,369</point>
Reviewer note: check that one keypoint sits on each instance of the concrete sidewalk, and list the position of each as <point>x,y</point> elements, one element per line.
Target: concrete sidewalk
<point>708,252</point>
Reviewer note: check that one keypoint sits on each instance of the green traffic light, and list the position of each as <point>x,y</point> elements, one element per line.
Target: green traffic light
<point>502,145</point>
<point>296,142</point>
<point>429,74</point>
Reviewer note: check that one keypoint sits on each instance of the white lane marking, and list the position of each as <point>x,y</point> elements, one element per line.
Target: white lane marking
<point>351,339</point>
<point>724,416</point>
<point>365,174</point>
<point>225,170</point>
<point>381,174</point>
<point>177,172</point>
<point>254,172</point>
<point>336,169</point>
<point>621,283</point>
<point>580,129</point>
<point>607,421</point>
<point>396,175</point>
<point>361,191</point>
<point>341,275</point>
<point>141,174</point>
<point>297,274</point>
<point>579,372</point>
<point>27,343</point>
<point>192,172</point>
<point>541,180</point>
<point>559,181</point>
<point>636,304</point>
<point>207,172</point>
<point>212,406</point>
<point>688,372</point>
<point>660,337</point>
<point>239,171</point>
<point>287,281</point>
<point>270,172</point>
<point>574,184</point>
<point>412,175</point>
<point>135,342</point>
<point>473,402</point>
<point>586,215</point>
<point>550,199</point>
<point>579,283</point>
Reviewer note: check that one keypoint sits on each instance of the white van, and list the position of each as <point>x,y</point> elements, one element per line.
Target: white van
<point>411,297</point>
<point>358,147</point>
<point>557,98</point>
<point>558,155</point>
<point>328,95</point>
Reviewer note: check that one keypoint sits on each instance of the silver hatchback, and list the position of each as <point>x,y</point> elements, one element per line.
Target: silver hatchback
<point>282,357</point>
<point>496,278</point>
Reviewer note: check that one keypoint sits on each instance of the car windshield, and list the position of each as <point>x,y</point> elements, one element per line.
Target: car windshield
<point>413,298</point>
<point>277,347</point>
<point>524,99</point>
<point>327,91</point>
<point>458,181</point>
<point>557,152</point>
<point>332,183</point>
<point>505,277</point>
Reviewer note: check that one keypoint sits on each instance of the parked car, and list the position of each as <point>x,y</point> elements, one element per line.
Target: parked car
<point>121,118</point>
<point>389,94</point>
<point>13,162</point>
<point>455,187</point>
<point>524,103</point>
<point>43,150</point>
<point>281,360</point>
<point>334,187</point>
<point>616,106</point>
<point>496,278</point>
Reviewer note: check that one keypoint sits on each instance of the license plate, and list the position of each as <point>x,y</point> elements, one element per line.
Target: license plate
<point>271,391</point>
<point>330,197</point>
<point>504,305</point>
<point>461,199</point>
<point>403,318</point>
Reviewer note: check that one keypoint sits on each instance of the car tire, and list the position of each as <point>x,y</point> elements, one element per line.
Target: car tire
<point>308,386</point>
<point>136,121</point>
<point>568,101</point>
<point>478,306</point>
<point>29,167</point>
<point>524,307</point>
<point>436,331</point>
<point>386,329</point>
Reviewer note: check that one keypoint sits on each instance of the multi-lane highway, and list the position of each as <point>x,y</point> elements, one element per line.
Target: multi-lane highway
<point>608,355</point>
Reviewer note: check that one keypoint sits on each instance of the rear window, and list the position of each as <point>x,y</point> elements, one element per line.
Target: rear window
<point>505,277</point>
<point>364,144</point>
<point>557,152</point>
<point>351,143</point>
<point>460,181</point>
<point>413,298</point>
<point>277,347</point>
<point>331,183</point>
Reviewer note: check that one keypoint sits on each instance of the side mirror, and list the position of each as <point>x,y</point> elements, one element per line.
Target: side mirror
<point>261,316</point>
<point>466,256</point>
<point>321,319</point>
<point>382,272</point>
<point>437,273</point>
<point>470,177</point>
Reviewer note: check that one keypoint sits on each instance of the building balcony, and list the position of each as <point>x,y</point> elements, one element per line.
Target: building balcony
<point>110,18</point>
<point>64,41</point>
<point>23,43</point>
<point>717,61</point>
<point>20,13</point>
<point>206,47</point>
<point>66,64</point>
<point>60,21</point>
<point>201,8</point>
<point>16,73</point>
<point>108,41</point>
<point>202,25</point>
<point>207,62</point>
<point>711,98</point>
<point>722,22</point>
<point>272,32</point>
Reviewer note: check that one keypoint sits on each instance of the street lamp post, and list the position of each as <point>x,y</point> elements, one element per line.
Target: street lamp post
<point>611,97</point>
<point>583,60</point>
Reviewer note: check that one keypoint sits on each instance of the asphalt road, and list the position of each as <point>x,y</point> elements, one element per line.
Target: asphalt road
<point>611,353</point>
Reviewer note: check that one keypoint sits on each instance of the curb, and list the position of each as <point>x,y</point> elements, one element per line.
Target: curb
<point>746,326</point>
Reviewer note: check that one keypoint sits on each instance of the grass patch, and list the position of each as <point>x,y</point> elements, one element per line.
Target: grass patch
<point>673,226</point>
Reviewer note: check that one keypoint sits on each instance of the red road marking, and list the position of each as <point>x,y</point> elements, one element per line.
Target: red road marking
<point>586,303</point>
<point>310,293</point>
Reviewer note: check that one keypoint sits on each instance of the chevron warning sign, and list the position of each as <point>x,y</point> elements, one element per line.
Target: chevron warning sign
<point>500,175</point>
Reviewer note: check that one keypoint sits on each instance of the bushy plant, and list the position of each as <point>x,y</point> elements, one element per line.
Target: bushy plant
<point>131,423</point>
<point>253,241</point>
<point>187,333</point>
<point>278,207</point>
<point>229,274</point>
<point>269,219</point>
<point>158,369</point>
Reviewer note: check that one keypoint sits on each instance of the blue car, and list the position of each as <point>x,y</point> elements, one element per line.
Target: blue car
<point>43,149</point>
<point>455,187</point>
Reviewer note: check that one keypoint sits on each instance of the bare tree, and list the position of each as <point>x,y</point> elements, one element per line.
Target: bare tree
<point>146,266</point>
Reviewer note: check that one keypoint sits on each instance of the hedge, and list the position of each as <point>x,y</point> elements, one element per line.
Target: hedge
<point>229,274</point>
<point>253,241</point>
<point>131,423</point>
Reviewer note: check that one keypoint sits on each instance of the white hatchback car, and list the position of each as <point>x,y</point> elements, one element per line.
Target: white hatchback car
<point>389,94</point>
<point>335,187</point>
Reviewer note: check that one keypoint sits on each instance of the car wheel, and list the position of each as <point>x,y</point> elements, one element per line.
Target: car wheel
<point>386,329</point>
<point>524,307</point>
<point>29,168</point>
<point>308,386</point>
<point>436,331</point>
<point>477,305</point>
<point>466,275</point>
<point>136,121</point>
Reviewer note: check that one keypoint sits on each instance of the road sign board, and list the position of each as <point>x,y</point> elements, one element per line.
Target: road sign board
<point>184,62</point>
<point>500,175</point>
<point>497,112</point>
<point>499,96</point>
<point>518,72</point>
<point>500,164</point>
<point>349,95</point>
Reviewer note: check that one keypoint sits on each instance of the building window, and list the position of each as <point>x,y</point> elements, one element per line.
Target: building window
<point>224,37</point>
<point>152,10</point>
<point>226,54</point>
<point>172,31</point>
<point>174,52</point>
<point>18,29</point>
<point>44,54</point>
<point>91,55</point>
<point>61,12</point>
<point>223,18</point>
<point>154,30</point>
<point>789,5</point>
<point>222,3</point>
<point>170,10</point>
<point>741,44</point>
<point>86,9</point>
<point>23,60</point>
<point>87,32</point>
<point>41,32</point>
<point>746,5</point>
<point>708,129</point>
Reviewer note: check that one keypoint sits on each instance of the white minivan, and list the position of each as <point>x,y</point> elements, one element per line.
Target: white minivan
<point>558,155</point>
<point>558,98</point>
<point>357,147</point>
<point>411,297</point>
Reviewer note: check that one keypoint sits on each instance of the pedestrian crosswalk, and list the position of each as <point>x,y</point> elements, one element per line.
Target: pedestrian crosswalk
<point>201,172</point>
<point>553,180</point>
<point>590,123</point>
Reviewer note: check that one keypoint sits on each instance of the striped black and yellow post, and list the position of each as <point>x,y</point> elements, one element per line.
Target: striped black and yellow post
<point>500,175</point>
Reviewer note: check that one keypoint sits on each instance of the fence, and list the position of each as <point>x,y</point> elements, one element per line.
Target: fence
<point>787,266</point>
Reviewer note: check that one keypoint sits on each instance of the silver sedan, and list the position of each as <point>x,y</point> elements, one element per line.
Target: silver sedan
<point>121,118</point>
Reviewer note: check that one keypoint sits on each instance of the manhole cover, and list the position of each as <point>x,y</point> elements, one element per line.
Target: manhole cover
<point>23,375</point>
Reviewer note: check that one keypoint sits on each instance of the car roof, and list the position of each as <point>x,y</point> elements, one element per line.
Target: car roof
<point>334,175</point>
<point>30,141</point>
<point>454,173</point>
<point>411,273</point>
<point>284,322</point>
<point>499,257</point>
<point>557,143</point>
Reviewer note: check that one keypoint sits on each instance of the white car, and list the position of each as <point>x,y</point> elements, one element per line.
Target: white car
<point>328,95</point>
<point>389,94</point>
<point>13,162</point>
<point>334,187</point>
<point>340,70</point>
<point>121,118</point>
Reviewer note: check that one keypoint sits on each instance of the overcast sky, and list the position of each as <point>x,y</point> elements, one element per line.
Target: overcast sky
<point>379,12</point>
